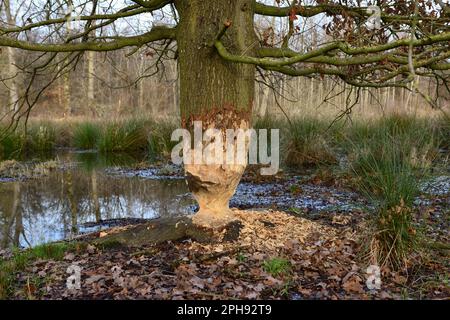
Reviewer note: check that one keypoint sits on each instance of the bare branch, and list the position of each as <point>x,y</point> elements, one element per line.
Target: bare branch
<point>343,46</point>
<point>334,9</point>
<point>157,33</point>
<point>126,12</point>
<point>152,4</point>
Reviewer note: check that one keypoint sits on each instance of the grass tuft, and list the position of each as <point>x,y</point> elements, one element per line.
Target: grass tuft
<point>123,136</point>
<point>86,135</point>
<point>308,144</point>
<point>159,141</point>
<point>11,146</point>
<point>389,158</point>
<point>22,258</point>
<point>277,266</point>
<point>41,137</point>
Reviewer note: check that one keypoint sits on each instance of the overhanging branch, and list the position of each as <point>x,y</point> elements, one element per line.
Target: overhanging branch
<point>293,58</point>
<point>140,7</point>
<point>125,12</point>
<point>157,33</point>
<point>152,4</point>
<point>334,9</point>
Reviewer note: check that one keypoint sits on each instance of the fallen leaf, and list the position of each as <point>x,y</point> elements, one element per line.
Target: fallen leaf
<point>353,285</point>
<point>94,278</point>
<point>69,256</point>
<point>90,249</point>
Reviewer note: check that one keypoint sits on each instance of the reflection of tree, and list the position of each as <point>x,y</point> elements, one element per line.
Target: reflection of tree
<point>12,216</point>
<point>72,203</point>
<point>54,206</point>
<point>7,216</point>
<point>63,212</point>
<point>95,201</point>
<point>17,213</point>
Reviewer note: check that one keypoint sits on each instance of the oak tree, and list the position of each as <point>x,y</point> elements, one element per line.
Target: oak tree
<point>219,54</point>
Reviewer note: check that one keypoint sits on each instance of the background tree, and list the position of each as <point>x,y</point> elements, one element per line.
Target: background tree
<point>12,63</point>
<point>219,55</point>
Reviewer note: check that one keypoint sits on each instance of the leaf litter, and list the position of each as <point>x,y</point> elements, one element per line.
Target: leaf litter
<point>323,258</point>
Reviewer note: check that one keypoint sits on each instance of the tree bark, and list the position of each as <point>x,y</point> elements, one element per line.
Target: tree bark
<point>66,94</point>
<point>13,71</point>
<point>216,92</point>
<point>91,81</point>
<point>66,79</point>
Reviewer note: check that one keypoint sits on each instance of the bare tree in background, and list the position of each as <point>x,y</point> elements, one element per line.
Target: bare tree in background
<point>13,71</point>
<point>219,55</point>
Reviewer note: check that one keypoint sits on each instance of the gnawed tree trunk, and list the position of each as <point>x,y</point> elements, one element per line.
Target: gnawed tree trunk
<point>216,92</point>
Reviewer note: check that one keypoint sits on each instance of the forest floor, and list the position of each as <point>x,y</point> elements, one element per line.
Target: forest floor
<point>274,255</point>
<point>268,254</point>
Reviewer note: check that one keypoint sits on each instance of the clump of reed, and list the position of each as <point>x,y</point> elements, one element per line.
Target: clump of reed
<point>159,140</point>
<point>41,137</point>
<point>308,143</point>
<point>86,135</point>
<point>389,157</point>
<point>123,136</point>
<point>11,145</point>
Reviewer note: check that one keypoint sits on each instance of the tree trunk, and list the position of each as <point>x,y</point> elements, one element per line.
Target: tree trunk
<point>141,102</point>
<point>13,71</point>
<point>216,92</point>
<point>66,79</point>
<point>91,81</point>
<point>264,102</point>
<point>66,95</point>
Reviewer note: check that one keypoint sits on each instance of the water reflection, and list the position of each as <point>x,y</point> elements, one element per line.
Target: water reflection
<point>72,201</point>
<point>60,205</point>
